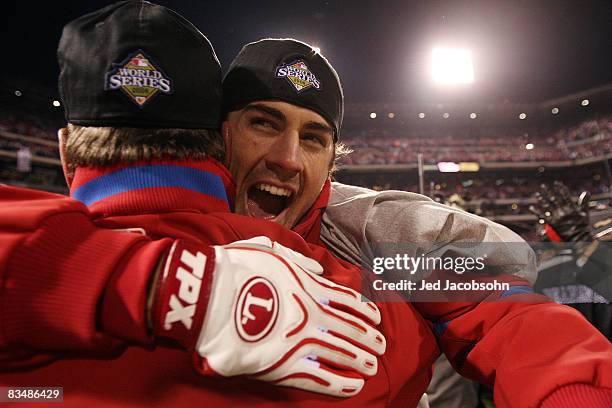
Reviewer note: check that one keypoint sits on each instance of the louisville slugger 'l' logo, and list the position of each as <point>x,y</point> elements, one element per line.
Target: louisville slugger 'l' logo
<point>256,309</point>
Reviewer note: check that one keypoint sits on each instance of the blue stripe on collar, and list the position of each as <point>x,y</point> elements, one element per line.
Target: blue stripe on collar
<point>134,178</point>
<point>515,290</point>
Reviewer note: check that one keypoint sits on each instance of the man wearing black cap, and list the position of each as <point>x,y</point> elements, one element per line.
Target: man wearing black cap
<point>283,110</point>
<point>409,366</point>
<point>298,96</point>
<point>139,152</point>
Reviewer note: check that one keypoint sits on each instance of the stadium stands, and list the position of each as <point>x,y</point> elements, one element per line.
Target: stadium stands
<point>587,139</point>
<point>513,160</point>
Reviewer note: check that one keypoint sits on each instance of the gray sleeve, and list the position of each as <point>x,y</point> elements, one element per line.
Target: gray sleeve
<point>357,220</point>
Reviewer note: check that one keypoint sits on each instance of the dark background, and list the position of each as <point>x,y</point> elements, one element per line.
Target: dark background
<point>524,50</point>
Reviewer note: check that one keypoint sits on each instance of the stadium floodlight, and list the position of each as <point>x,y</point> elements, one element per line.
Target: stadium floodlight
<point>373,115</point>
<point>555,110</point>
<point>446,115</point>
<point>529,146</point>
<point>448,167</point>
<point>585,102</point>
<point>473,115</point>
<point>317,50</point>
<point>452,66</point>
<point>391,115</point>
<point>17,93</point>
<point>421,115</point>
<point>522,116</point>
<point>56,103</point>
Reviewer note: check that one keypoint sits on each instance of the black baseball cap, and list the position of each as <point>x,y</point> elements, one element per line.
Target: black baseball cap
<point>287,70</point>
<point>138,64</point>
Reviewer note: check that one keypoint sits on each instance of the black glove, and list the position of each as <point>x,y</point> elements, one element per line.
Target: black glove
<point>559,218</point>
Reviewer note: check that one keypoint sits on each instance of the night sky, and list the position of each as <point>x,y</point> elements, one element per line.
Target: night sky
<point>524,50</point>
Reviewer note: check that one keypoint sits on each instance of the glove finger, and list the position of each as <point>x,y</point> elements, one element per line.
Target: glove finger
<point>316,377</point>
<point>342,298</point>
<point>304,262</point>
<point>260,242</point>
<point>265,243</point>
<point>323,347</point>
<point>342,354</point>
<point>353,330</point>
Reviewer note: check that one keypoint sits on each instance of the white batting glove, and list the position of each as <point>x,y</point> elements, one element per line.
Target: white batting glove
<point>251,308</point>
<point>266,243</point>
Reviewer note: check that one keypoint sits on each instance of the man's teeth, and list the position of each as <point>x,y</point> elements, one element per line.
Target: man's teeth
<point>274,190</point>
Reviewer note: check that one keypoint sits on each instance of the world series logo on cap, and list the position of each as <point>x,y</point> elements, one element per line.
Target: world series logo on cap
<point>138,77</point>
<point>298,75</point>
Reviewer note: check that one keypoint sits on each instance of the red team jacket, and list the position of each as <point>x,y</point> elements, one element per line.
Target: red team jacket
<point>66,295</point>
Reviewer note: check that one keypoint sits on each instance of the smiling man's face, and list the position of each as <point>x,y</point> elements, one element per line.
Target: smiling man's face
<point>280,156</point>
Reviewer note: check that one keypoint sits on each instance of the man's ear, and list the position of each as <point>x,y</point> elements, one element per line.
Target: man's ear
<point>62,136</point>
<point>225,132</point>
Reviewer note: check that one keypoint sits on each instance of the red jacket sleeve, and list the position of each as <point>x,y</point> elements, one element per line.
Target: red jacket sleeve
<point>526,346</point>
<point>54,268</point>
<point>63,286</point>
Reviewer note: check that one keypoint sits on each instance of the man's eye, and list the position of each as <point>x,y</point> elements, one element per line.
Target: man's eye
<point>314,139</point>
<point>263,123</point>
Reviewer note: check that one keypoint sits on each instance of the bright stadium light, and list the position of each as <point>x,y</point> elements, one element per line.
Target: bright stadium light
<point>529,146</point>
<point>585,102</point>
<point>555,111</point>
<point>522,116</point>
<point>448,167</point>
<point>473,115</point>
<point>421,115</point>
<point>452,66</point>
<point>446,115</point>
<point>373,115</point>
<point>17,93</point>
<point>56,103</point>
<point>317,50</point>
<point>391,115</point>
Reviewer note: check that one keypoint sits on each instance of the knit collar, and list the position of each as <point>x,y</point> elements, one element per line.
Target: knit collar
<point>155,186</point>
<point>160,186</point>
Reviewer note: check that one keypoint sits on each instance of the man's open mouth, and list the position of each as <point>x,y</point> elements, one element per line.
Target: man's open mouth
<point>266,201</point>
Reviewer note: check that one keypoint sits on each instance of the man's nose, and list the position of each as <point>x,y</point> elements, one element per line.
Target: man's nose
<point>284,157</point>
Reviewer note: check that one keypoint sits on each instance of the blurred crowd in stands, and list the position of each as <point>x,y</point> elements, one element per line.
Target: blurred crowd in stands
<point>34,135</point>
<point>487,185</point>
<point>28,124</point>
<point>507,192</point>
<point>39,129</point>
<point>588,139</point>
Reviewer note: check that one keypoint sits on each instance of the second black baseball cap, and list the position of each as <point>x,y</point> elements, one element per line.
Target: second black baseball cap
<point>286,70</point>
<point>138,64</point>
